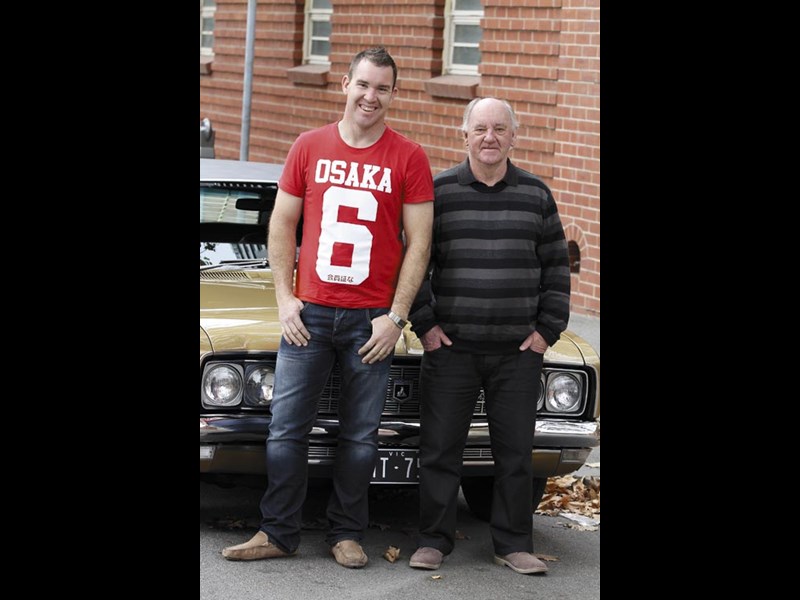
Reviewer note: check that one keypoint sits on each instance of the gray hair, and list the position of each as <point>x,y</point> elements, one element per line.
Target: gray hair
<point>474,101</point>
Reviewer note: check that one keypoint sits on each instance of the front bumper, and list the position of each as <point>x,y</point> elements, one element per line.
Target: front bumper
<point>235,444</point>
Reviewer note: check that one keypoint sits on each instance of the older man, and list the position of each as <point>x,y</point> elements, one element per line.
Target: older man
<point>501,284</point>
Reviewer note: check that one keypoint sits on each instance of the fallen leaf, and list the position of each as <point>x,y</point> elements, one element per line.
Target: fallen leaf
<point>546,557</point>
<point>592,483</point>
<point>391,554</point>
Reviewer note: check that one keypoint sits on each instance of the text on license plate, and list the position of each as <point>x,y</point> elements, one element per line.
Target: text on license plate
<point>396,466</point>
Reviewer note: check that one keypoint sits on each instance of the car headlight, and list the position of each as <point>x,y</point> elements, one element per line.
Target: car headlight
<point>563,393</point>
<point>258,386</point>
<point>540,400</point>
<point>222,385</point>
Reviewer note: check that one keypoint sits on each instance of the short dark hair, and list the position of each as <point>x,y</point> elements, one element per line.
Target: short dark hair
<point>379,57</point>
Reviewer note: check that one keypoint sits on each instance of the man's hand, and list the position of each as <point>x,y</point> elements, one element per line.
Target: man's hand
<point>384,336</point>
<point>434,338</point>
<point>535,342</point>
<point>292,326</point>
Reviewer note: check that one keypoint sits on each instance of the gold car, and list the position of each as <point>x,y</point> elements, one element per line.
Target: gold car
<point>239,338</point>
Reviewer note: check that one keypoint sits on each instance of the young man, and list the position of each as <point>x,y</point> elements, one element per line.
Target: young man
<point>365,193</point>
<point>501,285</point>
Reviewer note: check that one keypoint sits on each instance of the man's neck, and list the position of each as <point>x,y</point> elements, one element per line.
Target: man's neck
<point>356,137</point>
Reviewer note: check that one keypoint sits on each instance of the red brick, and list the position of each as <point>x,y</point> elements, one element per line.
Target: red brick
<point>542,55</point>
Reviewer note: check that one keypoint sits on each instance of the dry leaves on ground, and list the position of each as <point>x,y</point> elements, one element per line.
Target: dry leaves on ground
<point>579,495</point>
<point>391,554</point>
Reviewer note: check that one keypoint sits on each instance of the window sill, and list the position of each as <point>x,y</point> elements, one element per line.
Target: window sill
<point>205,64</point>
<point>309,74</point>
<point>454,86</point>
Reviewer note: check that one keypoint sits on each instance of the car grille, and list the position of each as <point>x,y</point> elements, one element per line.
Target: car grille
<point>402,392</point>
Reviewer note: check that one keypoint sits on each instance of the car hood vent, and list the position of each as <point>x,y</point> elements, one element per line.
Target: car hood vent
<point>224,276</point>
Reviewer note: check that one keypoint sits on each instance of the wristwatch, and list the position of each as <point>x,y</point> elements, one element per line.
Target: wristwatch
<point>401,323</point>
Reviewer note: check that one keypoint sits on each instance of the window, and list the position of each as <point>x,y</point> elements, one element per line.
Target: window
<point>207,10</point>
<point>317,40</point>
<point>462,37</point>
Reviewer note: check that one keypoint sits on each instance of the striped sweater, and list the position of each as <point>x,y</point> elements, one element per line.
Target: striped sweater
<point>499,263</point>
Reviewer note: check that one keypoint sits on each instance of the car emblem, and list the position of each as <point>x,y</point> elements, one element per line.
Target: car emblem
<point>401,391</point>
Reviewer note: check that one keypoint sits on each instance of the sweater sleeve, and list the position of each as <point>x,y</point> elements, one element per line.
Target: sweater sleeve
<point>555,279</point>
<point>421,315</point>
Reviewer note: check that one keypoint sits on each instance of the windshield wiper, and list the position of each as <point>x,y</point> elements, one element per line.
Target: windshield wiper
<point>260,263</point>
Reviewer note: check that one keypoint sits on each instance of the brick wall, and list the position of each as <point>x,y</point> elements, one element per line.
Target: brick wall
<point>541,55</point>
<point>576,173</point>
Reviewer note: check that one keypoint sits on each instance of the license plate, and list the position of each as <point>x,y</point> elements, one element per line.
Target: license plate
<point>396,466</point>
<point>206,452</point>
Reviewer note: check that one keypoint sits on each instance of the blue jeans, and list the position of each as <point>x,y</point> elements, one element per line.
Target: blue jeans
<point>300,376</point>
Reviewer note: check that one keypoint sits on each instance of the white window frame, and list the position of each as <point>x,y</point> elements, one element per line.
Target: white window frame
<point>452,19</point>
<point>207,12</point>
<point>311,15</point>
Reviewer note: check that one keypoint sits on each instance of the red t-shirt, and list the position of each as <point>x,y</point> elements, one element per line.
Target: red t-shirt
<point>353,200</point>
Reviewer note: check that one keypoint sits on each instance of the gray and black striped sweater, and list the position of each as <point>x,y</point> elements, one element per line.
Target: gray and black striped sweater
<point>499,263</point>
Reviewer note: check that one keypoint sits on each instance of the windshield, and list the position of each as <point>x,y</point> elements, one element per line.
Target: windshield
<point>228,233</point>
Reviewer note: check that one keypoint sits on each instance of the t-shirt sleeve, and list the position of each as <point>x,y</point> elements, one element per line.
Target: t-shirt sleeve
<point>419,181</point>
<point>293,178</point>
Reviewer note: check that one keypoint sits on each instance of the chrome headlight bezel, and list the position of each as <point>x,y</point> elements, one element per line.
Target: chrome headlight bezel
<point>259,383</point>
<point>565,392</point>
<point>212,375</point>
<point>542,386</point>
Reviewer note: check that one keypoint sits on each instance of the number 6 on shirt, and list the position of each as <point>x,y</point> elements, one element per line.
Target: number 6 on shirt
<point>346,233</point>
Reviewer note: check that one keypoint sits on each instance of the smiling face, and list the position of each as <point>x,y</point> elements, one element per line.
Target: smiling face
<point>369,93</point>
<point>490,134</point>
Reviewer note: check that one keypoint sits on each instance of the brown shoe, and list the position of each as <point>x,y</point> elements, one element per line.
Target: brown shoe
<point>521,562</point>
<point>349,553</point>
<point>257,548</point>
<point>426,558</point>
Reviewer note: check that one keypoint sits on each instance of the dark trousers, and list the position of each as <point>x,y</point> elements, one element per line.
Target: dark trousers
<point>450,383</point>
